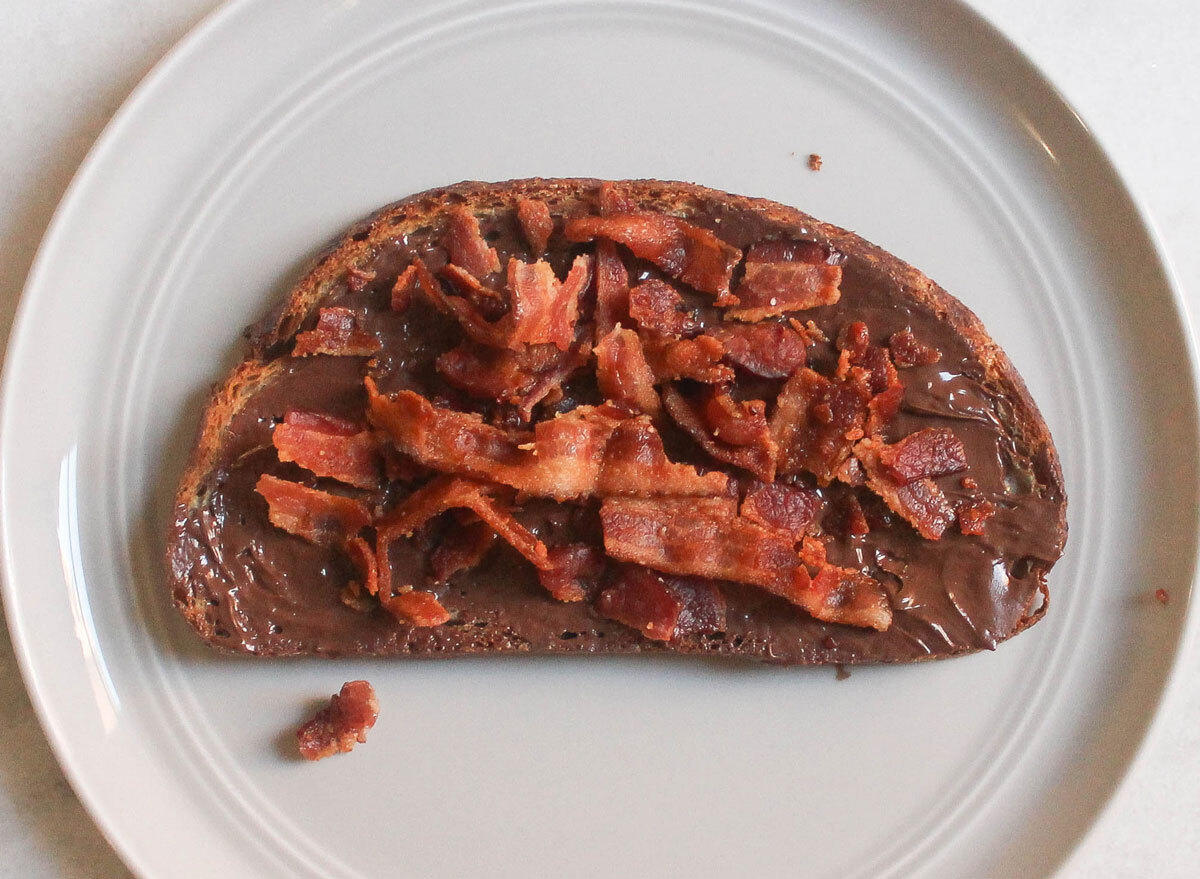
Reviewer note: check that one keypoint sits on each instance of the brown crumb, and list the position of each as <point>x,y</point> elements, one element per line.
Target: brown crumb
<point>814,162</point>
<point>1162,595</point>
<point>341,724</point>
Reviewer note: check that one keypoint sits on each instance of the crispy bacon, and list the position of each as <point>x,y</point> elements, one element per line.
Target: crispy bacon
<point>907,350</point>
<point>926,454</point>
<point>330,447</point>
<point>784,276</point>
<point>570,455</point>
<point>415,607</point>
<point>466,246</point>
<point>704,608</point>
<point>698,359</point>
<point>770,350</point>
<point>684,251</point>
<point>883,408</point>
<point>522,377</point>
<point>317,516</point>
<point>789,509</point>
<point>358,279</point>
<point>490,305</point>
<point>405,288</point>
<point>921,503</point>
<point>536,225</point>
<point>463,547</point>
<point>337,332</point>
<point>815,423</point>
<point>705,537</point>
<point>623,374</point>
<point>852,521</point>
<point>736,433</point>
<point>574,572</point>
<point>543,309</point>
<point>657,306</point>
<point>612,288</point>
<point>663,608</point>
<point>972,517</point>
<point>363,557</point>
<point>341,724</point>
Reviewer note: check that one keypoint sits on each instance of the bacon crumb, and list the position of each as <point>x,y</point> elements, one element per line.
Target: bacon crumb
<point>656,305</point>
<point>1162,596</point>
<point>907,351</point>
<point>342,724</point>
<point>623,374</point>
<point>770,350</point>
<point>574,572</point>
<point>973,517</point>
<point>814,162</point>
<point>536,225</point>
<point>416,607</point>
<point>921,503</point>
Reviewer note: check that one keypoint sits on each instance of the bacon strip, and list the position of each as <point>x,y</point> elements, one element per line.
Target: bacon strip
<point>317,516</point>
<point>684,251</point>
<point>338,333</point>
<point>461,549</point>
<point>921,503</point>
<point>543,309</point>
<point>522,377</point>
<point>330,447</point>
<point>536,225</point>
<point>574,571</point>
<point>926,454</point>
<point>736,433</point>
<point>770,350</point>
<point>706,537</point>
<point>789,509</point>
<point>816,422</point>
<point>657,306</point>
<point>612,288</point>
<point>698,359</point>
<point>570,455</point>
<point>623,374</point>
<point>466,245</point>
<point>769,289</point>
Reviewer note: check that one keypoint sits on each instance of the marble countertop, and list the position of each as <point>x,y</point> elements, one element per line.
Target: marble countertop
<point>1131,70</point>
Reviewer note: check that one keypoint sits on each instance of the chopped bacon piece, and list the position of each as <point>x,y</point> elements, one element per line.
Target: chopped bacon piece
<point>544,309</point>
<point>907,350</point>
<point>614,201</point>
<point>641,600</point>
<point>317,516</point>
<point>363,557</point>
<point>358,279</point>
<point>1162,596</point>
<point>623,374</point>
<point>973,517</point>
<point>574,571</point>
<point>330,447</point>
<point>704,608</point>
<point>657,306</point>
<point>736,433</point>
<point>920,503</point>
<point>534,216</point>
<point>570,455</point>
<point>789,509</point>
<point>461,549</point>
<point>405,288</point>
<point>814,162</point>
<point>883,408</point>
<point>341,724</point>
<point>853,520</point>
<point>487,303</point>
<point>873,364</point>
<point>612,288</point>
<point>466,246</point>
<point>816,422</point>
<point>415,607</point>
<point>784,276</point>
<point>705,537</point>
<point>698,359</point>
<point>338,333</point>
<point>926,454</point>
<point>771,350</point>
<point>522,377</point>
<point>684,251</point>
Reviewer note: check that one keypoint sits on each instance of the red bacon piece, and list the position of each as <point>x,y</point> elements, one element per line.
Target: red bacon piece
<point>698,359</point>
<point>338,332</point>
<point>705,537</point>
<point>536,225</point>
<point>405,288</point>
<point>522,377</point>
<point>907,350</point>
<point>317,516</point>
<point>466,246</point>
<point>657,306</point>
<point>816,422</point>
<point>790,250</point>
<point>641,600</point>
<point>330,447</point>
<point>789,509</point>
<point>926,454</point>
<point>972,517</point>
<point>542,309</point>
<point>363,557</point>
<point>623,374</point>
<point>770,350</point>
<point>574,571</point>
<point>883,408</point>
<point>340,725</point>
<point>570,455</point>
<point>704,608</point>
<point>612,288</point>
<point>921,503</point>
<point>464,547</point>
<point>415,607</point>
<point>784,276</point>
<point>736,433</point>
<point>487,303</point>
<point>684,251</point>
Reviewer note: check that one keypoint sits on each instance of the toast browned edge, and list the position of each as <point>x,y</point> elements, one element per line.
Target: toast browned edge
<point>357,246</point>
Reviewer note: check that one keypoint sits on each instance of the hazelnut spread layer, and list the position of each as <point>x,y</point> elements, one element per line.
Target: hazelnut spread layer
<point>575,416</point>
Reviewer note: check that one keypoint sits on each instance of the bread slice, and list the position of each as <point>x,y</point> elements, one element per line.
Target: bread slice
<point>765,555</point>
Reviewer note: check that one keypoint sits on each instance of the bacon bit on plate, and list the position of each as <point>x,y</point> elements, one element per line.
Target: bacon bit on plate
<point>789,509</point>
<point>684,251</point>
<point>462,548</point>
<point>330,447</point>
<point>657,306</point>
<point>317,516</point>
<point>612,288</point>
<point>736,433</point>
<point>363,557</point>
<point>623,374</point>
<point>770,350</point>
<point>415,607</point>
<point>973,517</point>
<point>698,359</point>
<point>574,572</point>
<point>340,725</point>
<point>534,216</point>
<point>816,422</point>
<point>814,162</point>
<point>908,351</point>
<point>926,454</point>
<point>338,333</point>
<point>920,503</point>
<point>466,245</point>
<point>705,537</point>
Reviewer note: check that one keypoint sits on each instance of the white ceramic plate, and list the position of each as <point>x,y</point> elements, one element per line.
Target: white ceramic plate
<point>276,124</point>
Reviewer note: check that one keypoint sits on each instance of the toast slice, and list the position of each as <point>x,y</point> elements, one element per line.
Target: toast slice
<point>576,416</point>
